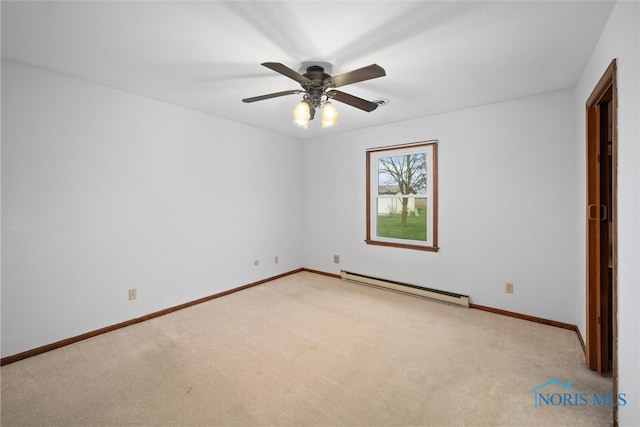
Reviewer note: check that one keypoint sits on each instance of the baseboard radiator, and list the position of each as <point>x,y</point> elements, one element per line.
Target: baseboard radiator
<point>434,294</point>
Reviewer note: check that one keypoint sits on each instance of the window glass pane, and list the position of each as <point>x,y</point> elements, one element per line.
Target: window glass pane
<point>405,174</point>
<point>402,218</point>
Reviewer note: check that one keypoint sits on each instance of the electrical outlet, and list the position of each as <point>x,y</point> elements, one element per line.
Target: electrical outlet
<point>133,294</point>
<point>275,260</point>
<point>508,287</point>
<point>336,259</point>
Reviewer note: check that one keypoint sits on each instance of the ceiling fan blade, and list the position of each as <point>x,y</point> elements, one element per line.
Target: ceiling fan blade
<point>354,101</point>
<point>361,74</point>
<point>272,95</point>
<point>286,71</point>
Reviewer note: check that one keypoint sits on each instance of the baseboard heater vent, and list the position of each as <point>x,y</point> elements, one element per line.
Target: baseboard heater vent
<point>435,294</point>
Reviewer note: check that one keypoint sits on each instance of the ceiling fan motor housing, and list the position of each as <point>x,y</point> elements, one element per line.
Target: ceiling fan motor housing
<point>316,89</point>
<point>316,72</point>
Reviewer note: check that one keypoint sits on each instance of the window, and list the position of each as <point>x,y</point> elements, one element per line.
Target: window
<point>402,205</point>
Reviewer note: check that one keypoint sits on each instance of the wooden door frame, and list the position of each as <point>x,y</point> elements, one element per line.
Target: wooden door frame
<point>606,84</point>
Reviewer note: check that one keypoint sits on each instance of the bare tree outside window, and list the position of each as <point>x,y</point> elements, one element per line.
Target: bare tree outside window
<point>408,173</point>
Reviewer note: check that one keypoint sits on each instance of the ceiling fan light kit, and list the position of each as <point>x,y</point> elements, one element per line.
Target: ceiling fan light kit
<point>319,89</point>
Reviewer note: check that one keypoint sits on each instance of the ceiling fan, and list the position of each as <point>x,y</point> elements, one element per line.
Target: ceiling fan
<point>318,88</point>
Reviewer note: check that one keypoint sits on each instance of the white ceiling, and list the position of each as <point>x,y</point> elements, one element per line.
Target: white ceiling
<point>439,56</point>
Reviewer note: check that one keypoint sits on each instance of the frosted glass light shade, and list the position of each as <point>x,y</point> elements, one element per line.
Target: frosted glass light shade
<point>302,114</point>
<point>329,115</point>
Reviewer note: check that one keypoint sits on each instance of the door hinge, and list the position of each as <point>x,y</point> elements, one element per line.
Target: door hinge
<point>599,320</point>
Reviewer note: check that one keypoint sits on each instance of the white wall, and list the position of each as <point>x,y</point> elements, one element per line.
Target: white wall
<point>506,205</point>
<point>620,39</point>
<point>103,191</point>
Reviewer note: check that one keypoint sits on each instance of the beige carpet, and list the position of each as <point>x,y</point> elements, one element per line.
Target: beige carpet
<point>307,350</point>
